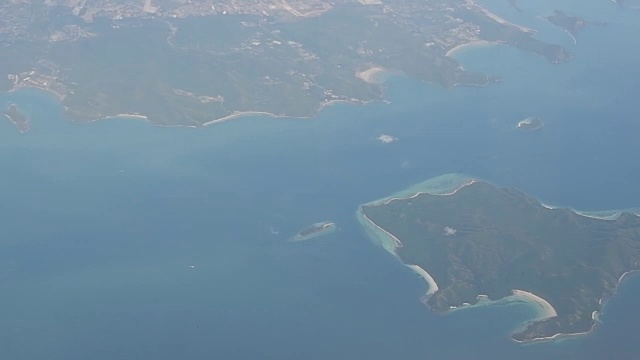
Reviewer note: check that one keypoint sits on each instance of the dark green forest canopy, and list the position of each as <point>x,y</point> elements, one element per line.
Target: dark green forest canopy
<point>490,240</point>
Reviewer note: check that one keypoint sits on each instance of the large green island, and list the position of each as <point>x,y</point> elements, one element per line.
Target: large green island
<point>478,241</point>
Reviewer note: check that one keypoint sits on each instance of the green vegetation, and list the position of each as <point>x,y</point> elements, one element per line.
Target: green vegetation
<point>314,231</point>
<point>488,240</point>
<point>200,68</point>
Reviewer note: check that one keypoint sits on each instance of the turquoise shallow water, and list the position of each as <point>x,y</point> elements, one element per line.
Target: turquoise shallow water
<point>101,222</point>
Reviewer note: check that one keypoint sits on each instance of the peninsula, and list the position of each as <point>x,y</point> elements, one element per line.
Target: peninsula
<point>480,241</point>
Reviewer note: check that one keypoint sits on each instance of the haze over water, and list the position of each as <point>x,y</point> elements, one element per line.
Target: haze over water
<point>101,222</point>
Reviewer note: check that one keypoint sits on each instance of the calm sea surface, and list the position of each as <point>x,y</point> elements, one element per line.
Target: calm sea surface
<point>101,223</point>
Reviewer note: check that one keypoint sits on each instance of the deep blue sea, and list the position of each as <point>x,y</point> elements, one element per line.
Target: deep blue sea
<point>100,223</point>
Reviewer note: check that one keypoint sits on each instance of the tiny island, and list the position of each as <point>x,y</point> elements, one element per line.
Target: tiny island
<point>314,231</point>
<point>17,117</point>
<point>479,242</point>
<point>531,123</point>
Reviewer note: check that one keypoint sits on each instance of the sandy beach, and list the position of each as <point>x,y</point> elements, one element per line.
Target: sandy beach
<point>397,241</point>
<point>575,41</point>
<point>239,114</point>
<point>503,21</point>
<point>595,316</point>
<point>126,116</point>
<point>547,206</point>
<point>626,274</point>
<point>546,310</point>
<point>433,287</point>
<point>470,182</point>
<point>599,215</point>
<point>470,45</point>
<point>450,185</point>
<point>368,75</point>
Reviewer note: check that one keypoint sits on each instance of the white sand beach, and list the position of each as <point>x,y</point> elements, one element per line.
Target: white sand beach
<point>433,287</point>
<point>239,114</point>
<point>625,275</point>
<point>455,190</point>
<point>547,206</point>
<point>470,45</point>
<point>503,21</point>
<point>546,310</point>
<point>397,241</point>
<point>122,116</point>
<point>600,215</point>
<point>129,116</point>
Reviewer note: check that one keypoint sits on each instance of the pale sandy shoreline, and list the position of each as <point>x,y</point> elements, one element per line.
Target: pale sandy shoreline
<point>543,308</point>
<point>134,117</point>
<point>243,114</point>
<point>397,242</point>
<point>431,283</point>
<point>575,41</point>
<point>231,116</point>
<point>366,221</point>
<point>125,116</point>
<point>546,310</point>
<point>470,45</point>
<point>556,337</point>
<point>595,316</point>
<point>607,215</point>
<point>455,190</point>
<point>504,21</point>
<point>433,287</point>
<point>239,114</point>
